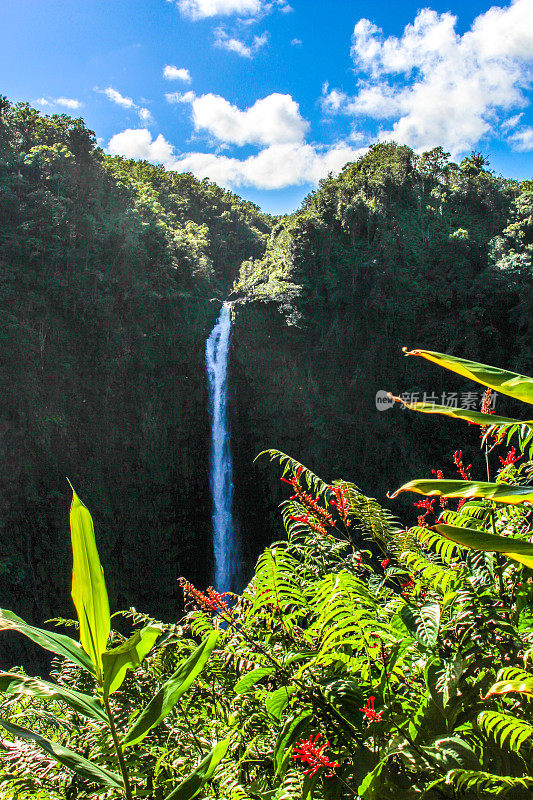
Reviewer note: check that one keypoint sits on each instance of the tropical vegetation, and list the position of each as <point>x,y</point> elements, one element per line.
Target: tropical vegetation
<point>364,659</point>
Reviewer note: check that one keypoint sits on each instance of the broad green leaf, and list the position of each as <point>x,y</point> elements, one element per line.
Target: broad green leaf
<point>499,492</point>
<point>479,540</point>
<point>82,703</point>
<point>88,584</point>
<point>78,764</point>
<point>277,701</point>
<point>291,731</point>
<point>251,678</point>
<point>524,686</point>
<point>126,656</point>
<point>423,622</point>
<point>462,413</point>
<point>171,691</point>
<point>49,640</point>
<point>509,383</point>
<point>205,770</point>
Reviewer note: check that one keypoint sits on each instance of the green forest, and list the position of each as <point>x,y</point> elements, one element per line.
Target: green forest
<point>380,646</point>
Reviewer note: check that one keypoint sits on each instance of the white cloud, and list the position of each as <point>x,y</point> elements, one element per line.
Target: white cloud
<point>176,74</point>
<point>138,143</point>
<point>439,87</point>
<point>65,102</point>
<point>126,102</point>
<point>234,45</point>
<point>522,140</point>
<point>296,42</point>
<point>274,167</point>
<point>202,9</point>
<point>274,119</point>
<point>119,99</point>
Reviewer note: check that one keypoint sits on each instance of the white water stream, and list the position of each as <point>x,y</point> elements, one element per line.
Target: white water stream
<point>216,357</point>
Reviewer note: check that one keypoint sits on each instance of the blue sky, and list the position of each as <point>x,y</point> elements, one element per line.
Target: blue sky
<point>267,96</point>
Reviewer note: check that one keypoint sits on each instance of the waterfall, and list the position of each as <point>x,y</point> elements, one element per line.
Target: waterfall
<point>224,545</point>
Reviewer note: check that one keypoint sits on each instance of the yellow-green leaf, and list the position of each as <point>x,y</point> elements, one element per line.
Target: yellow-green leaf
<point>118,660</point>
<point>88,585</point>
<point>509,383</point>
<point>499,492</point>
<point>524,686</point>
<point>463,413</point>
<point>515,549</point>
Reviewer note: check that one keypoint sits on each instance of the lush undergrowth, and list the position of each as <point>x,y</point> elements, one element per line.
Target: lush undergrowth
<point>364,659</point>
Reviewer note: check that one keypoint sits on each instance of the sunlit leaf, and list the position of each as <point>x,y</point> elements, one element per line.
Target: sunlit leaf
<point>278,700</point>
<point>509,383</point>
<point>462,413</point>
<point>171,691</point>
<point>88,584</point>
<point>251,678</point>
<point>515,549</point>
<point>22,684</point>
<point>117,661</point>
<point>205,770</point>
<point>499,492</point>
<point>56,643</point>
<point>78,764</point>
<point>524,686</point>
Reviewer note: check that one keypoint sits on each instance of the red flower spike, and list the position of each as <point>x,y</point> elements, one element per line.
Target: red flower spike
<point>369,712</point>
<point>385,563</point>
<point>308,752</point>
<point>510,458</point>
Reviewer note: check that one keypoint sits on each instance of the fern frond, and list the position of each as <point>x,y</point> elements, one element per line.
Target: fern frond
<point>505,729</point>
<point>486,782</point>
<point>291,465</point>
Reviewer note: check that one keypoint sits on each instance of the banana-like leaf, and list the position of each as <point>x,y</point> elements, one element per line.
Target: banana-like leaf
<point>78,764</point>
<point>509,383</point>
<point>171,691</point>
<point>56,643</point>
<point>82,703</point>
<point>88,584</point>
<point>515,549</point>
<point>117,661</point>
<point>278,700</point>
<point>463,413</point>
<point>524,686</point>
<point>499,492</point>
<point>291,731</point>
<point>205,770</point>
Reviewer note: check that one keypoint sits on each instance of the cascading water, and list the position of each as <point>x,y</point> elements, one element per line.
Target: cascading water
<point>224,544</point>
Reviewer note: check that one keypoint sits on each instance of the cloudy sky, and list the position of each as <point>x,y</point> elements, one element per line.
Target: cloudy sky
<point>265,97</point>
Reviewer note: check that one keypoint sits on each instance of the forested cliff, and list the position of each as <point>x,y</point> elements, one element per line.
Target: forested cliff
<point>112,275</point>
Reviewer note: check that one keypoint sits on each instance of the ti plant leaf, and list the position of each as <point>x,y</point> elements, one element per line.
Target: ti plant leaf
<point>56,643</point>
<point>88,585</point>
<point>515,549</point>
<point>462,413</point>
<point>171,691</point>
<point>522,686</point>
<point>509,383</point>
<point>205,770</point>
<point>499,492</point>
<point>117,661</point>
<point>68,758</point>
<point>82,703</point>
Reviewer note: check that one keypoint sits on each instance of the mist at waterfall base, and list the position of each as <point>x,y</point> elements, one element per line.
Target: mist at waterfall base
<point>224,539</point>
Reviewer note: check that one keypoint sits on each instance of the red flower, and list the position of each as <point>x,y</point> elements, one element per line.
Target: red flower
<point>510,458</point>
<point>212,601</point>
<point>385,563</point>
<point>308,752</point>
<point>369,712</point>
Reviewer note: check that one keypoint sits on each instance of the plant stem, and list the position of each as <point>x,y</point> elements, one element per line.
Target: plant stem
<point>120,755</point>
